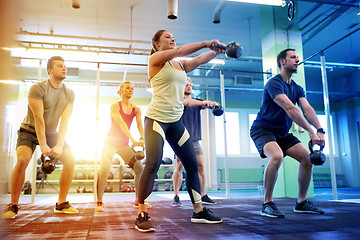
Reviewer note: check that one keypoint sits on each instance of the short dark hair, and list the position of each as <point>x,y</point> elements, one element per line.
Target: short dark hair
<point>51,61</point>
<point>282,55</point>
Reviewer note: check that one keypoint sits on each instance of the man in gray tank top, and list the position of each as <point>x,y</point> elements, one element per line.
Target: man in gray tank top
<point>49,101</point>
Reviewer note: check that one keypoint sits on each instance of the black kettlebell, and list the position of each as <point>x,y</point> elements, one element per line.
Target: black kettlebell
<point>139,151</point>
<point>48,164</point>
<point>233,49</point>
<point>217,110</point>
<point>316,156</point>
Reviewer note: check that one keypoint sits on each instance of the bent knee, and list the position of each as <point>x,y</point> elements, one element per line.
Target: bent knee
<point>276,159</point>
<point>23,161</point>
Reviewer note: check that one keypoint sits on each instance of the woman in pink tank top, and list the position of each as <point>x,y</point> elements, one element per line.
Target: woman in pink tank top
<point>117,140</point>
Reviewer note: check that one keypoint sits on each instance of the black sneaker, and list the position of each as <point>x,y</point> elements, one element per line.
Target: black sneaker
<point>270,209</point>
<point>206,200</point>
<point>143,224</point>
<point>10,211</point>
<point>205,216</point>
<point>307,207</point>
<point>176,201</point>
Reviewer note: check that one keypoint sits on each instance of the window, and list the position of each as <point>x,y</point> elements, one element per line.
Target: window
<point>323,123</point>
<point>232,134</point>
<point>253,149</point>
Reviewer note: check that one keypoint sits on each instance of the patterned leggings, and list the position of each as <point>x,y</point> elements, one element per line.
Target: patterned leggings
<point>179,140</point>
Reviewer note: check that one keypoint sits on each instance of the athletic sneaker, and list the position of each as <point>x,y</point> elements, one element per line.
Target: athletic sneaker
<point>176,201</point>
<point>307,207</point>
<point>270,209</point>
<point>143,224</point>
<point>10,211</point>
<point>99,207</point>
<point>65,207</point>
<point>136,205</point>
<point>206,200</point>
<point>205,216</point>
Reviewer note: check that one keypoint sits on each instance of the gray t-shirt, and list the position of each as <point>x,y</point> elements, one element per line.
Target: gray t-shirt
<point>55,101</point>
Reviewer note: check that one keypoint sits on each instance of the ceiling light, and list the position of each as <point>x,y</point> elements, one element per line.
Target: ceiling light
<point>265,2</point>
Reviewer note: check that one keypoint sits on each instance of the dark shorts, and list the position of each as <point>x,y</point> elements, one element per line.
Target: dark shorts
<point>197,148</point>
<point>27,138</point>
<point>261,136</point>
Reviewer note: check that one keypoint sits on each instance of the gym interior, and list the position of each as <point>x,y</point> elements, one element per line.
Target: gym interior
<point>107,42</point>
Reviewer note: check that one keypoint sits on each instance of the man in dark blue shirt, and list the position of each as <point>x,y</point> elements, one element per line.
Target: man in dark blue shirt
<point>192,121</point>
<point>270,133</point>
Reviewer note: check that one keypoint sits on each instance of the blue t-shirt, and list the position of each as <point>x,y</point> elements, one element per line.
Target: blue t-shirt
<point>271,115</point>
<point>192,121</point>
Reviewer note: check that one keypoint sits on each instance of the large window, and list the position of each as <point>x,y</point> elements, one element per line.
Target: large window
<point>232,133</point>
<point>253,149</point>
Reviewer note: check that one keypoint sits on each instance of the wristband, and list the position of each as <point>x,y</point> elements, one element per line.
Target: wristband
<point>321,130</point>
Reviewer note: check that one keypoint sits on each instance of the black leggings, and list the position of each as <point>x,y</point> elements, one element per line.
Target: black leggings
<point>179,140</point>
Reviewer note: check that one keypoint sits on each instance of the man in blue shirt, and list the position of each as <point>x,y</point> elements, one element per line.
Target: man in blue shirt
<point>192,121</point>
<point>270,133</point>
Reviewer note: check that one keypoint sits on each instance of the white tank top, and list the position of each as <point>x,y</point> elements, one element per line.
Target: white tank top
<point>167,102</point>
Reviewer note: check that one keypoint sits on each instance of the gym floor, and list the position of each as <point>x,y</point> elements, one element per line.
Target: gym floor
<point>240,213</point>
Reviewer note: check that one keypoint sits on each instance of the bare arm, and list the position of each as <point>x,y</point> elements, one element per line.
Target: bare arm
<point>115,114</point>
<point>37,108</point>
<point>190,65</point>
<point>294,113</point>
<point>158,59</point>
<point>64,122</point>
<point>311,117</point>
<point>203,104</point>
<point>139,125</point>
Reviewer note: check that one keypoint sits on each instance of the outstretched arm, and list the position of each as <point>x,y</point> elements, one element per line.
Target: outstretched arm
<point>158,59</point>
<point>203,58</point>
<point>203,104</point>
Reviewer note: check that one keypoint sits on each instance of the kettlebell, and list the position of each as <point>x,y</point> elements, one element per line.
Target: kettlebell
<point>139,151</point>
<point>316,156</point>
<point>217,110</point>
<point>232,50</point>
<point>48,164</point>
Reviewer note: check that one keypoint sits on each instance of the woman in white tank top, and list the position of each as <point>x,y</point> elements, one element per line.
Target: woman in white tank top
<point>163,121</point>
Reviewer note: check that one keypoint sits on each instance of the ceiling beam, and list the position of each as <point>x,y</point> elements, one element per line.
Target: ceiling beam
<point>342,3</point>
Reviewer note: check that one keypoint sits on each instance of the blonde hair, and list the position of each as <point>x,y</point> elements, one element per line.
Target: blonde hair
<point>122,85</point>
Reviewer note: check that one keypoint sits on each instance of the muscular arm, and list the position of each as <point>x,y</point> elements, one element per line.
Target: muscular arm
<point>115,114</point>
<point>37,108</point>
<point>64,122</point>
<point>203,104</point>
<point>293,112</point>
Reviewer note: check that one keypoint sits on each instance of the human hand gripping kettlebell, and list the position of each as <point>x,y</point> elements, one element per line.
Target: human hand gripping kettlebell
<point>232,50</point>
<point>217,110</point>
<point>139,151</point>
<point>48,164</point>
<point>316,157</point>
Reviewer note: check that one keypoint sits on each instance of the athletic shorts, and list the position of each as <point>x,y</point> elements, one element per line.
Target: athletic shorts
<point>197,148</point>
<point>27,138</point>
<point>261,136</point>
